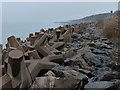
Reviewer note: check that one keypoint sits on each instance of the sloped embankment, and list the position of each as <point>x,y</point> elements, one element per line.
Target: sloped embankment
<point>68,57</point>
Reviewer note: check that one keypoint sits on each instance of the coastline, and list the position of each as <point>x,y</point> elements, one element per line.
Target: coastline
<point>71,52</point>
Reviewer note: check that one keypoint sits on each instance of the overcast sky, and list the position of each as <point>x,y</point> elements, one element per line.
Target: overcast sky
<point>34,12</point>
<point>48,12</point>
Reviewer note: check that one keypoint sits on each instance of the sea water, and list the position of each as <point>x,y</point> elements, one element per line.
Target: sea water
<point>20,19</point>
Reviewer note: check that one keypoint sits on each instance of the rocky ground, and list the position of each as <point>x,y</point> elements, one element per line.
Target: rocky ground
<point>68,57</point>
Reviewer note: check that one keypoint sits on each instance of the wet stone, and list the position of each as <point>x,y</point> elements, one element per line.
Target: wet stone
<point>103,39</point>
<point>100,85</point>
<point>58,70</point>
<point>43,82</point>
<point>68,62</point>
<point>106,47</point>
<point>98,51</point>
<point>92,59</point>
<point>108,42</point>
<point>104,73</point>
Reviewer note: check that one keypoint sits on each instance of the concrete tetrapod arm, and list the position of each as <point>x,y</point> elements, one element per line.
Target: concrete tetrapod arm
<point>2,70</point>
<point>54,58</point>
<point>36,65</point>
<point>58,45</point>
<point>33,54</point>
<point>40,46</point>
<point>17,70</point>
<point>41,40</point>
<point>5,82</point>
<point>1,59</point>
<point>58,34</point>
<point>12,42</point>
<point>0,48</point>
<point>4,55</point>
<point>33,39</point>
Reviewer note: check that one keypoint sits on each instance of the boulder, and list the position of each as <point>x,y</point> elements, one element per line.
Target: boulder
<point>43,82</point>
<point>92,59</point>
<point>98,51</point>
<point>100,85</point>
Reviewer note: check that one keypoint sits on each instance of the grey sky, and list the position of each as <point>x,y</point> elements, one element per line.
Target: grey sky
<point>35,12</point>
<point>19,19</point>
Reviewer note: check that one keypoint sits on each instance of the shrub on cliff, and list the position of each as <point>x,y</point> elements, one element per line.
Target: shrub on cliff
<point>109,28</point>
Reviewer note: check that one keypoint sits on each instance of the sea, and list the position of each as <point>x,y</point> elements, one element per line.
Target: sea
<point>21,18</point>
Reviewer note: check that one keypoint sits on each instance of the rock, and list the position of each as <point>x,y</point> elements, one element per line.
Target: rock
<point>75,74</point>
<point>65,83</point>
<point>55,83</point>
<point>75,35</point>
<point>84,50</point>
<point>68,54</point>
<point>58,71</point>
<point>44,82</point>
<point>117,84</point>
<point>84,71</point>
<point>78,60</point>
<point>49,73</point>
<point>68,57</point>
<point>100,85</point>
<point>92,59</point>
<point>103,74</point>
<point>68,62</point>
<point>108,42</point>
<point>98,51</point>
<point>37,65</point>
<point>106,47</point>
<point>106,60</point>
<point>99,45</point>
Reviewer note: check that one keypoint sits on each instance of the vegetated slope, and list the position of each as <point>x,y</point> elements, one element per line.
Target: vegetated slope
<point>92,18</point>
<point>109,27</point>
<point>107,23</point>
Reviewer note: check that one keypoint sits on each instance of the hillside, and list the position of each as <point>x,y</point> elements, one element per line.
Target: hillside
<point>92,18</point>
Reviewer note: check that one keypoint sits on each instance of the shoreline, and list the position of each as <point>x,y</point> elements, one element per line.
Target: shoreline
<point>53,58</point>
